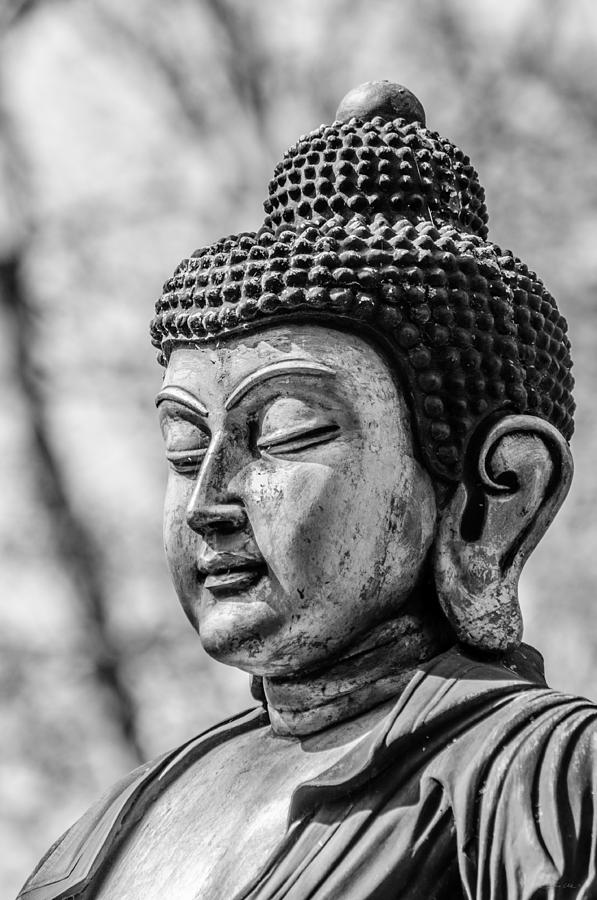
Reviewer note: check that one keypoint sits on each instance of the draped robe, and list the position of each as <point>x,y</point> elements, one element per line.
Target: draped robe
<point>479,784</point>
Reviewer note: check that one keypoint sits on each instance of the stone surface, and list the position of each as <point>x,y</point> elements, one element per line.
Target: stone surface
<point>366,410</point>
<point>381,98</point>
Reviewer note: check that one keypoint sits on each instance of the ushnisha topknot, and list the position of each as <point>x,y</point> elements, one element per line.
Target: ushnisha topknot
<point>378,226</point>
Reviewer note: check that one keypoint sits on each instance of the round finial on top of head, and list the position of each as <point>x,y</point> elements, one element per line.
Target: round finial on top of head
<point>381,98</point>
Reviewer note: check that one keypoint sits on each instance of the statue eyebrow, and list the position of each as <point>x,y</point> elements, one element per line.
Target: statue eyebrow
<point>182,396</point>
<point>282,367</point>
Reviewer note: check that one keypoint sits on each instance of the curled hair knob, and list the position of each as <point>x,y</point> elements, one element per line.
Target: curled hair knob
<point>383,99</point>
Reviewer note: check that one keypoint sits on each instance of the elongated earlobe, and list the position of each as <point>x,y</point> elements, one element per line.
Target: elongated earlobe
<point>498,514</point>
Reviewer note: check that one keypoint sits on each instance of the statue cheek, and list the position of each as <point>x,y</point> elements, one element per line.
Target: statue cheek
<point>180,542</point>
<point>411,549</point>
<point>419,512</point>
<point>174,524</point>
<point>404,535</point>
<point>292,508</point>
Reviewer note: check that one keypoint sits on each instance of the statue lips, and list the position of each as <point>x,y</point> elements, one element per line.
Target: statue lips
<point>227,571</point>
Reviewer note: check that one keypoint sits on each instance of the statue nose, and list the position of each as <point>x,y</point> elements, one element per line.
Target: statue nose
<point>225,517</point>
<point>213,506</point>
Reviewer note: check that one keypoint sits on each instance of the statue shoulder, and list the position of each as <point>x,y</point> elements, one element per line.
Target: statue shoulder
<point>84,839</point>
<point>503,712</point>
<point>75,859</point>
<point>532,773</point>
<point>517,764</point>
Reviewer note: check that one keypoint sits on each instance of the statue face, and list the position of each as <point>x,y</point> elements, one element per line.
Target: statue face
<point>297,517</point>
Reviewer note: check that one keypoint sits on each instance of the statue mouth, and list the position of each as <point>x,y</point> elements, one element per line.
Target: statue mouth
<point>234,580</point>
<point>226,572</point>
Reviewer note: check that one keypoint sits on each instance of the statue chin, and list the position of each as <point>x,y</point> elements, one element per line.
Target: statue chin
<point>239,630</point>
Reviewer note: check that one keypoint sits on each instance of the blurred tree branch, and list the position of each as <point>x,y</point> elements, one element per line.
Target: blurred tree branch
<point>163,61</point>
<point>15,11</point>
<point>244,62</point>
<point>536,56</point>
<point>75,543</point>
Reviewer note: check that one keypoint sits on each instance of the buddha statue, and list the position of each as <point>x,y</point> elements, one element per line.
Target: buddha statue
<point>366,411</point>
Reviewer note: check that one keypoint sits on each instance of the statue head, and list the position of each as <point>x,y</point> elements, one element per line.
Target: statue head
<point>363,397</point>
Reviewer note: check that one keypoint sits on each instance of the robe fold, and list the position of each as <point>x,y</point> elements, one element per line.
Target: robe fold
<point>480,783</point>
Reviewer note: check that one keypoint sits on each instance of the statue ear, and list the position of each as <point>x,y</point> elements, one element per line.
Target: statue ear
<point>514,485</point>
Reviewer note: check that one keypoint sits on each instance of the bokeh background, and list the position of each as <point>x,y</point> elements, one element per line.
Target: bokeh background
<point>131,133</point>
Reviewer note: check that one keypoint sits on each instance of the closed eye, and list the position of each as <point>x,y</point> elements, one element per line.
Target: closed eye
<point>301,437</point>
<point>186,462</point>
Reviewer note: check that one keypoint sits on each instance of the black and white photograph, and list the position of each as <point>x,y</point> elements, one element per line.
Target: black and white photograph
<point>298,390</point>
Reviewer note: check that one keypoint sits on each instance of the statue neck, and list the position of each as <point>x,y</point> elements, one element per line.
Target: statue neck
<point>372,672</point>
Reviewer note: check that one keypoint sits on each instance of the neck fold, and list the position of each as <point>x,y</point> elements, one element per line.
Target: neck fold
<point>374,671</point>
